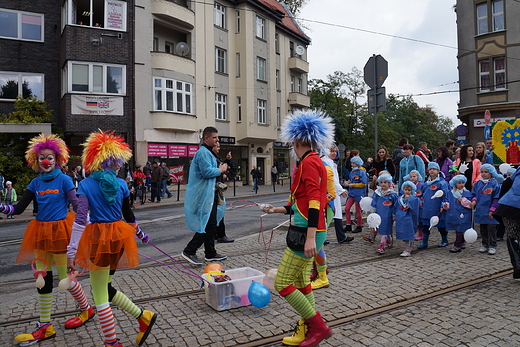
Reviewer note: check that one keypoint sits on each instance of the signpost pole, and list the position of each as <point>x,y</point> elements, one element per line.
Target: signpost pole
<point>375,111</point>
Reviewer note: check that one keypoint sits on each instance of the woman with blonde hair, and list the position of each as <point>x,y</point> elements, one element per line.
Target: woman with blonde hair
<point>482,154</point>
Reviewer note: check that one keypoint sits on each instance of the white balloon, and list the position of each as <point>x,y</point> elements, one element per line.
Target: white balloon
<point>438,194</point>
<point>503,168</point>
<point>463,167</point>
<point>470,235</point>
<point>434,221</point>
<point>374,220</point>
<point>366,204</point>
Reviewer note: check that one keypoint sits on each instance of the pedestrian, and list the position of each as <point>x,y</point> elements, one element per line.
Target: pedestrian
<point>458,211</point>
<point>9,195</point>
<point>406,217</point>
<point>108,242</point>
<point>468,165</point>
<point>47,236</point>
<point>157,174</point>
<point>357,190</point>
<point>221,236</point>
<point>397,156</point>
<point>509,209</point>
<point>450,145</point>
<point>432,205</point>
<point>482,154</point>
<point>274,175</point>
<point>408,163</point>
<point>139,184</point>
<point>382,162</point>
<point>147,170</point>
<point>201,200</point>
<point>415,177</point>
<point>309,131</point>
<point>384,200</point>
<point>485,199</point>
<point>256,174</point>
<point>424,153</point>
<point>164,181</point>
<point>445,163</point>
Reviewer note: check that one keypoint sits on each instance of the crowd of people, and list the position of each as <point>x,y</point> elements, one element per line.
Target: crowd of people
<point>410,193</point>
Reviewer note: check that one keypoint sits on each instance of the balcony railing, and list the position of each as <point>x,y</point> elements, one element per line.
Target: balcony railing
<point>172,62</point>
<point>298,64</point>
<point>170,10</point>
<point>174,121</point>
<point>299,100</point>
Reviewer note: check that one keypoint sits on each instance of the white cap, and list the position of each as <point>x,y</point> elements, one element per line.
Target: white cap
<point>8,183</point>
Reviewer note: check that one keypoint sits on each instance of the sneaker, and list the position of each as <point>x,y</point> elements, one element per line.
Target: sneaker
<point>43,331</point>
<point>192,258</point>
<point>381,249</point>
<point>483,249</point>
<point>348,228</point>
<point>116,343</point>
<point>146,321</point>
<point>357,230</point>
<point>492,251</point>
<point>406,253</point>
<point>216,257</point>
<point>463,245</point>
<point>347,239</point>
<point>80,319</point>
<point>225,239</point>
<point>455,249</point>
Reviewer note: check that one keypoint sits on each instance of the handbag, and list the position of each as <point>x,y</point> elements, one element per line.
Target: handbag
<point>296,237</point>
<point>220,189</point>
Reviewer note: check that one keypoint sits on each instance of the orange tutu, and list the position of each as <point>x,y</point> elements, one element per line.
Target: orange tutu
<point>52,237</point>
<point>108,244</point>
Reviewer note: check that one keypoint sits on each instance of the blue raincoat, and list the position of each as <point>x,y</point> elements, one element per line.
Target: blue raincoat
<point>200,192</point>
<point>458,217</point>
<point>406,217</point>
<point>432,207</point>
<point>384,205</point>
<point>485,193</point>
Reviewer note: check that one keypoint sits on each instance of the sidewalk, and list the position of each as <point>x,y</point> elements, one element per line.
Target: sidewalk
<point>177,199</point>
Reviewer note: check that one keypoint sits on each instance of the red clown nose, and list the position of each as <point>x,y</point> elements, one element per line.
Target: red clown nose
<point>46,162</point>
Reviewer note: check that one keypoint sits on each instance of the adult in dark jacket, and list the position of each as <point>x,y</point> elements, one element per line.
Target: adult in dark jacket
<point>157,174</point>
<point>397,155</point>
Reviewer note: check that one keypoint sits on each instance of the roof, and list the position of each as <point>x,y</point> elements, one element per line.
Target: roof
<point>288,19</point>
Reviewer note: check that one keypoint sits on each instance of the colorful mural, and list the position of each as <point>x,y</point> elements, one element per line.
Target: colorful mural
<point>506,140</point>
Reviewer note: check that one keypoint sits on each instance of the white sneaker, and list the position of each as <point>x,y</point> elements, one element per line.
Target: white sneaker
<point>406,253</point>
<point>483,249</point>
<point>492,251</point>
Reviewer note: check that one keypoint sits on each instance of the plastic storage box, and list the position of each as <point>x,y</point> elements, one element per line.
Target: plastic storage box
<point>230,294</point>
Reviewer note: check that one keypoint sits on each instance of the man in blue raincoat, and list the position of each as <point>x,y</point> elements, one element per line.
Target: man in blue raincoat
<point>200,203</point>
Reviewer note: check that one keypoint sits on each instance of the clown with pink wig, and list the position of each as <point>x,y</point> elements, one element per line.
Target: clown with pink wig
<point>46,238</point>
<point>108,242</point>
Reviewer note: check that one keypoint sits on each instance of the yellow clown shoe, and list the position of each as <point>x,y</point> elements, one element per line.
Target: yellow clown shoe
<point>43,331</point>
<point>146,321</point>
<point>298,336</point>
<point>321,281</point>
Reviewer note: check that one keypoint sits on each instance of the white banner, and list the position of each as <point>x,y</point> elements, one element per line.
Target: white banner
<point>104,105</point>
<point>115,13</point>
<point>481,122</point>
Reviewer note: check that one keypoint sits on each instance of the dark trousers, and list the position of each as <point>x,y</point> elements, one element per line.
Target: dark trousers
<point>207,238</point>
<point>156,191</point>
<point>221,230</point>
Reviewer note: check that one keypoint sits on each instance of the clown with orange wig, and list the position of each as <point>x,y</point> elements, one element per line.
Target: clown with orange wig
<point>46,238</point>
<point>108,242</point>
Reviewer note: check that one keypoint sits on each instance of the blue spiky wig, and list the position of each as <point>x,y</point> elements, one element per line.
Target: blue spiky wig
<point>311,127</point>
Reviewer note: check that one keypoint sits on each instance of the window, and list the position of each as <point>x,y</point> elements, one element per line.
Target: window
<point>292,84</point>
<point>482,21</point>
<point>96,78</point>
<point>220,106</point>
<point>238,64</point>
<point>498,15</point>
<point>277,43</point>
<point>277,79</point>
<point>13,84</point>
<point>500,73</point>
<point>108,14</point>
<point>260,27</point>
<point>172,95</point>
<point>261,107</point>
<point>492,74</point>
<point>484,75</point>
<point>238,22</point>
<point>21,25</point>
<point>220,60</point>
<point>291,49</point>
<point>155,47</point>
<point>168,47</point>
<point>278,118</point>
<point>300,85</point>
<point>220,15</point>
<point>260,68</point>
<point>239,109</point>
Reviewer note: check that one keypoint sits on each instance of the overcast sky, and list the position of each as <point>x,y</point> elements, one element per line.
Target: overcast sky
<point>413,67</point>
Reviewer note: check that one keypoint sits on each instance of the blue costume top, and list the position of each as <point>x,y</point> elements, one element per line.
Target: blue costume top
<point>512,197</point>
<point>458,217</point>
<point>200,192</point>
<point>51,197</point>
<point>384,203</point>
<point>485,194</point>
<point>432,207</point>
<point>406,217</point>
<point>359,178</point>
<point>100,210</point>
<point>413,162</point>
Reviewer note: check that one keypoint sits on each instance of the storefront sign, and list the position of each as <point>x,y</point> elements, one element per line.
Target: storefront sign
<point>226,140</point>
<point>177,151</point>
<point>481,122</point>
<point>92,105</point>
<point>156,150</point>
<point>115,15</point>
<point>192,150</point>
<point>282,144</point>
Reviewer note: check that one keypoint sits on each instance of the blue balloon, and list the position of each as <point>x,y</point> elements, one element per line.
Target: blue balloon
<point>258,295</point>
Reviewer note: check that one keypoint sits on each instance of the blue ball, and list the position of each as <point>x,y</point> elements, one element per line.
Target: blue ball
<point>258,295</point>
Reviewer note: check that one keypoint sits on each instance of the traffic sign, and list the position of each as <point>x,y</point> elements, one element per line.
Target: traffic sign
<point>377,103</point>
<point>487,117</point>
<point>462,130</point>
<point>487,131</point>
<point>375,71</point>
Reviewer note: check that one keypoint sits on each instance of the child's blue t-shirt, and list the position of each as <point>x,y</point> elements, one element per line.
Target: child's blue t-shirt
<point>100,210</point>
<point>51,197</point>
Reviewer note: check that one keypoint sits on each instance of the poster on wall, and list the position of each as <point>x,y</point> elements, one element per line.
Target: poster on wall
<point>157,150</point>
<point>177,174</point>
<point>115,13</point>
<point>506,140</point>
<point>97,105</point>
<point>177,151</point>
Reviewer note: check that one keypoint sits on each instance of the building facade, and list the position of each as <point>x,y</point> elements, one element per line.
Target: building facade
<point>237,65</point>
<point>489,62</point>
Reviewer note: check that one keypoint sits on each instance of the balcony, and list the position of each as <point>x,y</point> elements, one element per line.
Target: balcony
<point>174,121</point>
<point>171,11</point>
<point>299,100</point>
<point>298,65</point>
<point>172,62</point>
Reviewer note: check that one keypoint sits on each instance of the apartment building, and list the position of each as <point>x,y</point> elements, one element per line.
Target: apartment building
<point>488,61</point>
<point>237,65</point>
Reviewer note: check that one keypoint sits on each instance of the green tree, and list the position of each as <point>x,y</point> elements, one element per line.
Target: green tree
<point>13,146</point>
<point>294,5</point>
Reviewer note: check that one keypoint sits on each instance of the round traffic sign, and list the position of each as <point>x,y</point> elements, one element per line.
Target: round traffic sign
<point>462,130</point>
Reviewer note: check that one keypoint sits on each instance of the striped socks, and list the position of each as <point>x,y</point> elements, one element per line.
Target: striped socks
<point>79,295</point>
<point>45,303</point>
<point>122,301</point>
<point>107,322</point>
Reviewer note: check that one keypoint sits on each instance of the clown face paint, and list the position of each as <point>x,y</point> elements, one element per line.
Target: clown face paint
<point>47,160</point>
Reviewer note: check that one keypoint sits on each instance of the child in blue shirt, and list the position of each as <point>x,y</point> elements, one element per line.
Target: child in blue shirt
<point>485,197</point>
<point>357,188</point>
<point>406,212</point>
<point>458,210</point>
<point>415,177</point>
<point>432,206</point>
<point>384,200</point>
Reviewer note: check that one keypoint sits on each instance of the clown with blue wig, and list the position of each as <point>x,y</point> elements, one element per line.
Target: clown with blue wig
<point>458,210</point>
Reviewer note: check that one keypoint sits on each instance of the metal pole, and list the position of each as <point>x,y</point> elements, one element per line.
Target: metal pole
<point>178,189</point>
<point>375,103</point>
<point>234,186</point>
